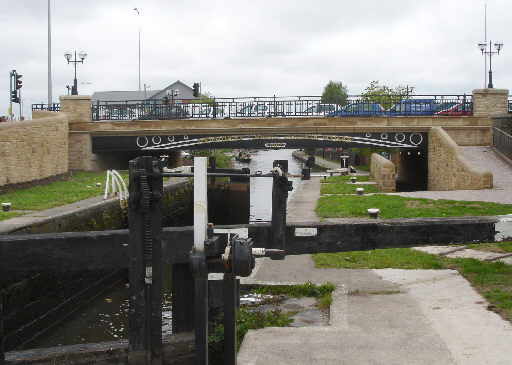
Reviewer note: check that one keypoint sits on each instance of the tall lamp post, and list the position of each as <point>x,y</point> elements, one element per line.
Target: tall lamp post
<point>138,18</point>
<point>483,48</point>
<point>68,55</point>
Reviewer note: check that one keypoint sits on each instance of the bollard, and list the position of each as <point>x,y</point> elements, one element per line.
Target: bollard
<point>360,191</point>
<point>353,179</point>
<point>373,212</point>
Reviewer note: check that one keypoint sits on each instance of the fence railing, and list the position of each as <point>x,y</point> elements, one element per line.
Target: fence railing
<point>55,107</point>
<point>294,106</point>
<point>502,142</point>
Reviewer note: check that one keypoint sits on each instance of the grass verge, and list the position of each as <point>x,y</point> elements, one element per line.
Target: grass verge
<point>493,280</point>
<point>322,292</point>
<point>394,206</point>
<point>78,187</point>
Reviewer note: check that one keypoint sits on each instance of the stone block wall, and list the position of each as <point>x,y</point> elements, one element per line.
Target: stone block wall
<point>382,171</point>
<point>490,102</point>
<point>33,149</point>
<point>76,107</point>
<point>448,169</point>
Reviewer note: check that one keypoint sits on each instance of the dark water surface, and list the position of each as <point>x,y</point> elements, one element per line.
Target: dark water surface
<point>106,318</point>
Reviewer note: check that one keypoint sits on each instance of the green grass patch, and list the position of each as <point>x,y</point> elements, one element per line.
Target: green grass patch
<point>347,188</point>
<point>400,258</point>
<point>78,187</point>
<point>247,319</point>
<point>493,280</point>
<point>7,215</point>
<point>308,289</point>
<point>499,247</point>
<point>394,206</point>
<point>345,178</point>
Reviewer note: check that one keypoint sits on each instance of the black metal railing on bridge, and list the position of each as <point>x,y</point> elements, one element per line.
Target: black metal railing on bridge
<point>502,142</point>
<point>296,106</point>
<point>55,107</point>
<point>292,106</point>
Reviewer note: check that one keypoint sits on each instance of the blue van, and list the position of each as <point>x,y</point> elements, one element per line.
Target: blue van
<point>413,107</point>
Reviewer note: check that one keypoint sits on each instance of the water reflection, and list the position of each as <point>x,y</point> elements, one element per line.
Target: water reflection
<point>261,188</point>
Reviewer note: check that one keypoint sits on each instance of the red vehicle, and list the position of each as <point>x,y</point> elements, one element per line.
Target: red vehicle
<point>458,110</point>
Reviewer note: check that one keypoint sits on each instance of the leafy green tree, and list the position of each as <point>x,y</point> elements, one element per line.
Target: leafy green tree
<point>384,95</point>
<point>335,93</point>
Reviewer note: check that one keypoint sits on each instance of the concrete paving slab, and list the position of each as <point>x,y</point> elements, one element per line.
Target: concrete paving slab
<point>476,254</point>
<point>439,250</point>
<point>457,314</point>
<point>506,260</point>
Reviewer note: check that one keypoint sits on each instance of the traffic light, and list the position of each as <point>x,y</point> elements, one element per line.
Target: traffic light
<point>18,81</point>
<point>196,89</point>
<point>14,97</point>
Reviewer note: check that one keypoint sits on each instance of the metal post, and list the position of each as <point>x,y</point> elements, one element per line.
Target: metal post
<point>280,188</point>
<point>74,91</point>
<point>490,86</point>
<point>2,355</point>
<point>230,298</point>
<point>145,252</point>
<point>10,93</point>
<point>49,59</point>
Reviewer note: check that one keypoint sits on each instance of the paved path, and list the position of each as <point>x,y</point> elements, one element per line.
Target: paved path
<point>386,316</point>
<point>382,317</point>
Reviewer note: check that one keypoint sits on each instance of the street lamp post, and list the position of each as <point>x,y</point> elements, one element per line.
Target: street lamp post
<point>68,55</point>
<point>483,48</point>
<point>138,18</point>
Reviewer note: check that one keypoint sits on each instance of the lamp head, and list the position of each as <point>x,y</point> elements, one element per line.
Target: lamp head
<point>482,46</point>
<point>498,45</point>
<point>82,55</point>
<point>68,55</point>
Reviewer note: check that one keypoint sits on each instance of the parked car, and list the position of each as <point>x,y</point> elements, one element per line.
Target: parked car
<point>460,109</point>
<point>164,112</point>
<point>260,110</point>
<point>413,107</point>
<point>320,109</point>
<point>359,109</point>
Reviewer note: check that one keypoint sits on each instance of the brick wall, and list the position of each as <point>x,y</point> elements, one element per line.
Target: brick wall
<point>382,171</point>
<point>33,149</point>
<point>448,169</point>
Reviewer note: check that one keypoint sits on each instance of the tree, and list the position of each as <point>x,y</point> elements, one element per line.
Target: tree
<point>384,95</point>
<point>335,93</point>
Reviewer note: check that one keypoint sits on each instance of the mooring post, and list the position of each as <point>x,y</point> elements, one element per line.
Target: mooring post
<point>145,268</point>
<point>280,188</point>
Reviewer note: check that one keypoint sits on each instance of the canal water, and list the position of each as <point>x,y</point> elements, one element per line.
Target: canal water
<point>106,319</point>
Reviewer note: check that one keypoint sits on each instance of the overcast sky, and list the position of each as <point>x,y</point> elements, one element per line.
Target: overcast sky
<point>253,47</point>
